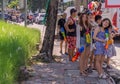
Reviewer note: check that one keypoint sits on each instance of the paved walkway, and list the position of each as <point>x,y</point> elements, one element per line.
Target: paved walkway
<point>62,72</point>
<point>65,72</point>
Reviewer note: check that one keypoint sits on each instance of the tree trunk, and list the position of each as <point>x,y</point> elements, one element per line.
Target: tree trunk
<point>48,42</point>
<point>2,2</point>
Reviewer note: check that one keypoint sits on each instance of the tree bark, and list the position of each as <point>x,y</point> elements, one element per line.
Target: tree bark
<point>48,42</point>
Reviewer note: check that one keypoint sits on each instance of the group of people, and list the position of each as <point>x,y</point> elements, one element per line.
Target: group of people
<point>99,30</point>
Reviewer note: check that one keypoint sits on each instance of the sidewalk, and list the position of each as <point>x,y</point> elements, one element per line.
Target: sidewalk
<point>62,72</point>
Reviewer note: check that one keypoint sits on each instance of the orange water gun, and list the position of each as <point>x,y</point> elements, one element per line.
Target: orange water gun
<point>63,33</point>
<point>108,40</point>
<point>78,53</point>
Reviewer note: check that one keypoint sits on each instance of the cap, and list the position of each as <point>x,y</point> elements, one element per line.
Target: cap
<point>88,12</point>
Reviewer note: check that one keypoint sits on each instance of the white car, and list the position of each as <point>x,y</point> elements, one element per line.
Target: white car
<point>40,18</point>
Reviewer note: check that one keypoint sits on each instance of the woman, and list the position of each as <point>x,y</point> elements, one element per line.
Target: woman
<point>81,40</point>
<point>100,41</point>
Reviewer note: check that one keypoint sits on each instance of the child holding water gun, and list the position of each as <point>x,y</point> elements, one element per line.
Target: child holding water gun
<point>95,24</point>
<point>62,33</point>
<point>110,52</point>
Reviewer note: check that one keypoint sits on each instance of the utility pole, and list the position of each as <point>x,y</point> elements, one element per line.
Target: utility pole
<point>2,10</point>
<point>25,13</point>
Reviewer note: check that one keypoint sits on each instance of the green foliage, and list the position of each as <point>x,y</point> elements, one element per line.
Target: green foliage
<point>38,4</point>
<point>17,44</point>
<point>13,4</point>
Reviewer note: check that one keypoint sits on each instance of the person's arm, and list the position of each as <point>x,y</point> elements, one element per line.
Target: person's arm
<point>66,26</point>
<point>95,35</point>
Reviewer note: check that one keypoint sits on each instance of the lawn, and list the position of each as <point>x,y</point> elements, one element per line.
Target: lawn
<point>17,44</point>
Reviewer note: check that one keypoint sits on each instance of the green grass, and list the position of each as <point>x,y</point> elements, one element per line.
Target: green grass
<point>17,44</point>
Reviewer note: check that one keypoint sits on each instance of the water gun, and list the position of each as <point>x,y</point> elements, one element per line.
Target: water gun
<point>63,33</point>
<point>88,37</point>
<point>108,43</point>
<point>78,53</point>
<point>107,39</point>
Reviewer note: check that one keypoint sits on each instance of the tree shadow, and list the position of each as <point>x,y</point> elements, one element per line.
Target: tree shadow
<point>114,72</point>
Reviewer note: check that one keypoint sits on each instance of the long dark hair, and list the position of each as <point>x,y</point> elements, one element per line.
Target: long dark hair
<point>110,24</point>
<point>81,20</point>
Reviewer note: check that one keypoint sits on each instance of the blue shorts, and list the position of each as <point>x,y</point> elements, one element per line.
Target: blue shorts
<point>83,42</point>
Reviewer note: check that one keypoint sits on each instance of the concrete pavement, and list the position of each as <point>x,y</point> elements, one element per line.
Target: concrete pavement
<point>62,72</point>
<point>65,72</point>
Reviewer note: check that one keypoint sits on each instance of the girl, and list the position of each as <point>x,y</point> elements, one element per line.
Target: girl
<point>99,37</point>
<point>110,52</point>
<point>81,40</point>
<point>95,23</point>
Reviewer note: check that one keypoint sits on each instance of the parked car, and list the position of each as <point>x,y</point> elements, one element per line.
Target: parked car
<point>6,16</point>
<point>40,18</point>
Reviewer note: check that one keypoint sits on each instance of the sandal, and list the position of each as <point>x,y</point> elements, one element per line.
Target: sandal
<point>83,74</point>
<point>109,67</point>
<point>61,52</point>
<point>89,70</point>
<point>103,76</point>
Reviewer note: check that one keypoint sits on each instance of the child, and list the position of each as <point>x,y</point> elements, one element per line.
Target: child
<point>110,52</point>
<point>95,24</point>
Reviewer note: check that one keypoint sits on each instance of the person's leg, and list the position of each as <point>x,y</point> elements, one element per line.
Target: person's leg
<point>86,57</point>
<point>82,61</point>
<point>66,49</point>
<point>70,54</point>
<point>102,75</point>
<point>108,60</point>
<point>97,64</point>
<point>61,43</point>
<point>108,63</point>
<point>91,59</point>
<point>101,62</point>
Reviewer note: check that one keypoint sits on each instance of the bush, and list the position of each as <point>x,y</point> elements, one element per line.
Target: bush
<point>17,44</point>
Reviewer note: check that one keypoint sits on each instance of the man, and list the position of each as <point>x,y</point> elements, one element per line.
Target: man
<point>61,24</point>
<point>70,27</point>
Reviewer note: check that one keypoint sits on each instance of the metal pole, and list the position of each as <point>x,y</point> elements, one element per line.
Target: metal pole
<point>2,10</point>
<point>25,13</point>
